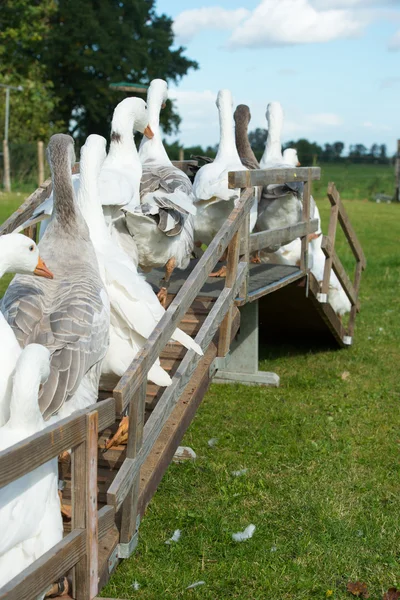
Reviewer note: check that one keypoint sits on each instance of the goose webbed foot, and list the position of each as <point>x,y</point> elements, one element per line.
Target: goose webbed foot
<point>220,273</point>
<point>62,587</point>
<point>255,258</point>
<point>120,437</point>
<point>163,293</point>
<point>66,510</point>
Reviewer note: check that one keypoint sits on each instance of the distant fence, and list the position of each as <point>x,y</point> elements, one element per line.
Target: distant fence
<point>26,164</point>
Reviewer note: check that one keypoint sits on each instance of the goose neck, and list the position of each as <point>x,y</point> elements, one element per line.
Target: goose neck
<point>89,201</point>
<point>24,406</point>
<point>63,192</point>
<point>122,140</point>
<point>227,146</point>
<point>242,140</point>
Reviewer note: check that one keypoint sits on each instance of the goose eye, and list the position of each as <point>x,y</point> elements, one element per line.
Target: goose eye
<point>31,248</point>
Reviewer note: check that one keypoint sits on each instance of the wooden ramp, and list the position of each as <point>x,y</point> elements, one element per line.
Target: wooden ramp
<point>108,491</point>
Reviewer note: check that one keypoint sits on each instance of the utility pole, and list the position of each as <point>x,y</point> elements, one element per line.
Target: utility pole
<point>397,174</point>
<point>6,153</point>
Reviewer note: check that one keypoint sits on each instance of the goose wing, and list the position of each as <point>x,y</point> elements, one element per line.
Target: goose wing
<point>69,317</point>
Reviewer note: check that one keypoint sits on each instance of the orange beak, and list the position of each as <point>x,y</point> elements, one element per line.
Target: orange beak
<point>42,271</point>
<point>148,132</point>
<point>298,164</point>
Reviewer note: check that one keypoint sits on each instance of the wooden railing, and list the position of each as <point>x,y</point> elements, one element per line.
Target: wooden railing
<point>338,213</point>
<point>79,549</point>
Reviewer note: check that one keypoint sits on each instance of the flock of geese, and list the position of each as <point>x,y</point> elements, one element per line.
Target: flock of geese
<point>78,313</point>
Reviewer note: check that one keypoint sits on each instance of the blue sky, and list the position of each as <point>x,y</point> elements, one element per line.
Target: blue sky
<point>333,64</point>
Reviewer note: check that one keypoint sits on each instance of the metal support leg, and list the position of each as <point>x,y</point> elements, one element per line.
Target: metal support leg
<point>241,364</point>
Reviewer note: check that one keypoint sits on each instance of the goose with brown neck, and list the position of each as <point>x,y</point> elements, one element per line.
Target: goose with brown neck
<point>70,314</point>
<point>242,118</point>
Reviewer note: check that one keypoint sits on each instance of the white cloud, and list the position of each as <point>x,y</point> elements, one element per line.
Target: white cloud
<point>287,72</point>
<point>190,22</point>
<point>199,115</point>
<point>372,126</point>
<point>288,22</point>
<point>394,43</point>
<point>328,4</point>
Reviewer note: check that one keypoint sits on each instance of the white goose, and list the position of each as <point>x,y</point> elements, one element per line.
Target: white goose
<point>162,225</point>
<point>18,254</point>
<point>69,315</point>
<point>30,512</point>
<point>120,175</point>
<point>214,199</point>
<point>135,309</point>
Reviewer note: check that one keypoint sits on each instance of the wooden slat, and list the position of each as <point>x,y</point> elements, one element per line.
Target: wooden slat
<point>37,449</point>
<point>131,467</point>
<point>78,471</point>
<point>354,308</point>
<point>246,179</point>
<point>137,371</point>
<point>306,218</point>
<point>136,425</point>
<point>334,198</point>
<point>231,272</point>
<point>48,568</point>
<point>26,209</point>
<point>106,520</point>
<point>272,239</point>
<point>271,287</point>
<point>333,219</point>
<point>339,270</point>
<point>92,532</point>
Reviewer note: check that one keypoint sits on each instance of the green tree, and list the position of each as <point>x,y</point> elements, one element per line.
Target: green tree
<point>24,25</point>
<point>91,44</point>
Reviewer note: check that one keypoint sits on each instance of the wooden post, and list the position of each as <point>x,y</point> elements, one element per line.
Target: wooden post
<point>231,272</point>
<point>306,217</point>
<point>245,237</point>
<point>40,162</point>
<point>397,174</point>
<point>84,509</point>
<point>353,311</point>
<point>6,162</point>
<point>135,439</point>
<point>181,154</point>
<point>331,237</point>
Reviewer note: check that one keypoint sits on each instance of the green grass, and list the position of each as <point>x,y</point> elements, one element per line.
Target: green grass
<point>357,182</point>
<point>322,455</point>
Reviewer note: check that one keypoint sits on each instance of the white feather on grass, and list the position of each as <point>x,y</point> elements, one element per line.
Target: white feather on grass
<point>241,536</point>
<point>239,473</point>
<point>136,586</point>
<point>175,537</point>
<point>193,585</point>
<point>212,442</point>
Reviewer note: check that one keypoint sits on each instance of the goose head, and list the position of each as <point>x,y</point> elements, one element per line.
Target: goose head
<point>224,101</point>
<point>158,88</point>
<point>93,153</point>
<point>19,254</point>
<point>290,157</point>
<point>274,116</point>
<point>130,114</point>
<point>60,148</point>
<point>242,115</point>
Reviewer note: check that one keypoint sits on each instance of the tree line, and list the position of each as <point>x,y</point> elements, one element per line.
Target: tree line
<point>309,153</point>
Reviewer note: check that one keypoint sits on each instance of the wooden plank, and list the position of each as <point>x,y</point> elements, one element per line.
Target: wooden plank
<point>131,467</point>
<point>92,532</point>
<point>355,308</point>
<point>26,209</point>
<point>47,569</point>
<point>37,449</point>
<point>245,252</point>
<point>79,491</point>
<point>306,218</point>
<point>333,219</point>
<point>347,227</point>
<point>258,177</point>
<point>326,311</point>
<point>174,429</point>
<point>231,272</point>
<point>137,371</point>
<point>339,270</point>
<point>271,287</point>
<point>272,239</point>
<point>135,439</point>
<point>106,520</point>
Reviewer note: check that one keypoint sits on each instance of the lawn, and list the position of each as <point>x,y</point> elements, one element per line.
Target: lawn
<point>321,454</point>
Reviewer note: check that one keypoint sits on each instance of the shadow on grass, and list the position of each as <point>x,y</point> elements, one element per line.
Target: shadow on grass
<point>292,346</point>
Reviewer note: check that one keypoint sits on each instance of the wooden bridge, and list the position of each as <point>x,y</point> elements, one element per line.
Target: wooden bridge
<point>223,317</point>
